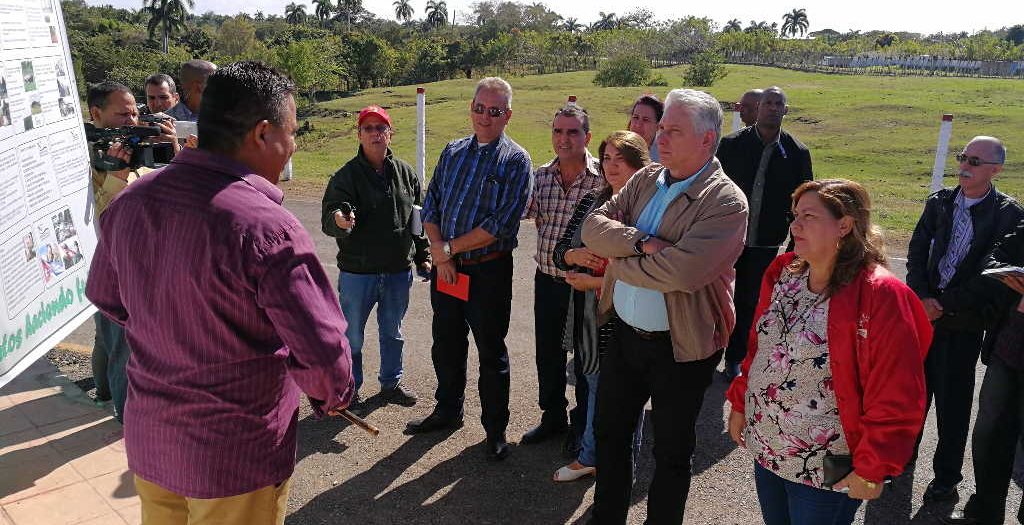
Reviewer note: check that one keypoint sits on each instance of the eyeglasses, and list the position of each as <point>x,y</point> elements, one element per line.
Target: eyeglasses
<point>494,112</point>
<point>379,128</point>
<point>973,161</point>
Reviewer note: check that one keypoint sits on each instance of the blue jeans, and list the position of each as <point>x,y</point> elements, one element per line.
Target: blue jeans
<point>117,353</point>
<point>588,449</point>
<point>390,292</point>
<point>785,502</point>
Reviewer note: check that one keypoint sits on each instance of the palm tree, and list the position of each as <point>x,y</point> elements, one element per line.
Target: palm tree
<point>604,22</point>
<point>403,10</point>
<point>348,10</point>
<point>323,9</point>
<point>437,13</point>
<point>732,25</point>
<point>169,15</point>
<point>295,13</point>
<point>572,25</point>
<point>795,22</point>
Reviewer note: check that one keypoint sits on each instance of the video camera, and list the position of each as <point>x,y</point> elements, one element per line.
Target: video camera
<point>137,138</point>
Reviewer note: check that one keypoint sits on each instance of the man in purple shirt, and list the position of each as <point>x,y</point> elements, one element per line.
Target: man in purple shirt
<point>227,309</point>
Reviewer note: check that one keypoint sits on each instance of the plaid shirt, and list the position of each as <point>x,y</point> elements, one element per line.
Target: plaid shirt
<point>485,187</point>
<point>551,206</point>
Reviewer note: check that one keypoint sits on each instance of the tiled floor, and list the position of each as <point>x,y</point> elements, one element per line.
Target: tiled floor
<point>62,458</point>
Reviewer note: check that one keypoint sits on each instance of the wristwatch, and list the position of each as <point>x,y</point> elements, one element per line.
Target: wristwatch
<point>638,248</point>
<point>447,248</point>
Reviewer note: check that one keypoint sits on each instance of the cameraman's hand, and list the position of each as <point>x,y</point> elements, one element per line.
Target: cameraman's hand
<point>168,134</point>
<point>122,152</point>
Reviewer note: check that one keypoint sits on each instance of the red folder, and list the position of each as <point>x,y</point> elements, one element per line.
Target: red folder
<point>459,290</point>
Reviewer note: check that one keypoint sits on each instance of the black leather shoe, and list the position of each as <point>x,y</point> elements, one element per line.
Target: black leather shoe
<point>543,432</point>
<point>432,423</point>
<point>960,517</point>
<point>937,493</point>
<point>358,406</point>
<point>399,395</point>
<point>496,448</point>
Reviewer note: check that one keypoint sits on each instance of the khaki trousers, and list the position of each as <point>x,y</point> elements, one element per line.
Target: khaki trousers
<point>265,506</point>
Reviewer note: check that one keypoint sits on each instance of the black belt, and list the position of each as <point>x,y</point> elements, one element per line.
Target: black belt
<point>650,336</point>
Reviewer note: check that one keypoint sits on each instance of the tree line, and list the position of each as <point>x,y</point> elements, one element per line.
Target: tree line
<point>337,45</point>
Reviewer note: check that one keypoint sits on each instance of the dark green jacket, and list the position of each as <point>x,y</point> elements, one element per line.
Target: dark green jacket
<point>381,241</point>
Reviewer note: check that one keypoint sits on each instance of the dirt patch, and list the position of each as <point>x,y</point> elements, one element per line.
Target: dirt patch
<point>304,189</point>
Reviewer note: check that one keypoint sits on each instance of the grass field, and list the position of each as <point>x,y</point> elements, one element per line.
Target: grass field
<point>880,131</point>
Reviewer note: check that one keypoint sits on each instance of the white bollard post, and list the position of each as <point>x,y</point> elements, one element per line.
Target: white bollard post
<point>945,132</point>
<point>736,122</point>
<point>421,134</point>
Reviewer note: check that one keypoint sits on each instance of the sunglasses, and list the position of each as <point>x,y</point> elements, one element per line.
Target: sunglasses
<point>973,161</point>
<point>494,112</point>
<point>379,128</point>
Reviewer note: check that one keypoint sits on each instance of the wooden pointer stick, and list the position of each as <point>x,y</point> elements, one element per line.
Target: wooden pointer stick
<point>359,422</point>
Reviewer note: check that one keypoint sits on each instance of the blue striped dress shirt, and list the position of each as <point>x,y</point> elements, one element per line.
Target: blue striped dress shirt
<point>480,186</point>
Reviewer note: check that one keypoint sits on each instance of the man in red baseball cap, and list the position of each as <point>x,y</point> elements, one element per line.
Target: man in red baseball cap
<point>376,252</point>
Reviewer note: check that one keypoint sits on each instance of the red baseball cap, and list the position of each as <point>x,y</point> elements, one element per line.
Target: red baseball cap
<point>373,110</point>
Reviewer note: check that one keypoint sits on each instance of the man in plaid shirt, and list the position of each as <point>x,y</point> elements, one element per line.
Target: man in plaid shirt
<point>558,187</point>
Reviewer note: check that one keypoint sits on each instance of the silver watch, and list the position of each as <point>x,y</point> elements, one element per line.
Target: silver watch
<point>447,249</point>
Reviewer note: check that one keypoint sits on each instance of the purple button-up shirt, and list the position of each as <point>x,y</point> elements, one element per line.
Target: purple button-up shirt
<point>229,314</point>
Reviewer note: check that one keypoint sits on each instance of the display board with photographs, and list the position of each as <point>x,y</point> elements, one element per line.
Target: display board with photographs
<point>47,231</point>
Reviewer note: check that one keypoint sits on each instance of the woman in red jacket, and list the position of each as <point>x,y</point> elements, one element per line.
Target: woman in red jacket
<point>831,396</point>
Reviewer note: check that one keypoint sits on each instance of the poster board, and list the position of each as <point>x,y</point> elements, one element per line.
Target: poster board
<point>47,232</point>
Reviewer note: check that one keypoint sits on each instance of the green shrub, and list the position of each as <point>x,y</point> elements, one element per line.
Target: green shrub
<point>624,70</point>
<point>705,68</point>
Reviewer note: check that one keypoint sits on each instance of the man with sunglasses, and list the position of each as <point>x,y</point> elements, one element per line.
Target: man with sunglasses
<point>471,215</point>
<point>377,251</point>
<point>957,229</point>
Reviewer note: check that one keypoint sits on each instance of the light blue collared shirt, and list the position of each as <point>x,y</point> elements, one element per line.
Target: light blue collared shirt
<point>645,308</point>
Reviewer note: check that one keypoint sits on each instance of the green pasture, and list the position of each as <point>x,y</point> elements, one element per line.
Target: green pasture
<point>880,131</point>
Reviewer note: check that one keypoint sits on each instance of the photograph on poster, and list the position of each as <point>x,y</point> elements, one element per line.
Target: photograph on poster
<point>51,261</point>
<point>28,75</point>
<point>58,69</point>
<point>66,107</point>
<point>29,242</point>
<point>63,226</point>
<point>53,35</point>
<point>63,88</point>
<point>36,105</point>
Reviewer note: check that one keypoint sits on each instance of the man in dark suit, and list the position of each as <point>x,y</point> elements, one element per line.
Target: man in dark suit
<point>768,164</point>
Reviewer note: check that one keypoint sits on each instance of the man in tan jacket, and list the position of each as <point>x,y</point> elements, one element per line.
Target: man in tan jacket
<point>672,236</point>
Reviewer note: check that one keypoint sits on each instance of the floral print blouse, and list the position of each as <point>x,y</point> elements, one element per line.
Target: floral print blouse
<point>791,412</point>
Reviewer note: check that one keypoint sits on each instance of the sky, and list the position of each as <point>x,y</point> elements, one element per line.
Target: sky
<point>893,15</point>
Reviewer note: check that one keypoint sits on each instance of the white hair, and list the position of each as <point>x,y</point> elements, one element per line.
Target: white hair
<point>704,111</point>
<point>496,85</point>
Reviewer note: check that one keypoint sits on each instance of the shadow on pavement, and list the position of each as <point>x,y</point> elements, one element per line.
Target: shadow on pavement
<point>462,489</point>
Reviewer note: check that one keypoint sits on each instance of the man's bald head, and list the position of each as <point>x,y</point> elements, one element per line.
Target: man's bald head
<point>994,146</point>
<point>747,106</point>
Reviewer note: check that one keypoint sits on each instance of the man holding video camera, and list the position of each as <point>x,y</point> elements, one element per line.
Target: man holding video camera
<point>112,105</point>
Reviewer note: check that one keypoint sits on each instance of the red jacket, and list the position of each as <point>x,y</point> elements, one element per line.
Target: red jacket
<point>878,336</point>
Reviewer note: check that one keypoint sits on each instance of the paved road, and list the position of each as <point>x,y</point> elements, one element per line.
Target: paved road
<point>344,476</point>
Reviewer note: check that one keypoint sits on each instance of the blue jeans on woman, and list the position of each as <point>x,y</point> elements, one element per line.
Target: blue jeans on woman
<point>588,449</point>
<point>358,293</point>
<point>785,502</point>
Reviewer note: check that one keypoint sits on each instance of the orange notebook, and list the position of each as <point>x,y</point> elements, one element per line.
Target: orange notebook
<point>459,290</point>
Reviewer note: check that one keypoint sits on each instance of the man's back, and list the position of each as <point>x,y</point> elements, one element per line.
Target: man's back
<point>226,308</point>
